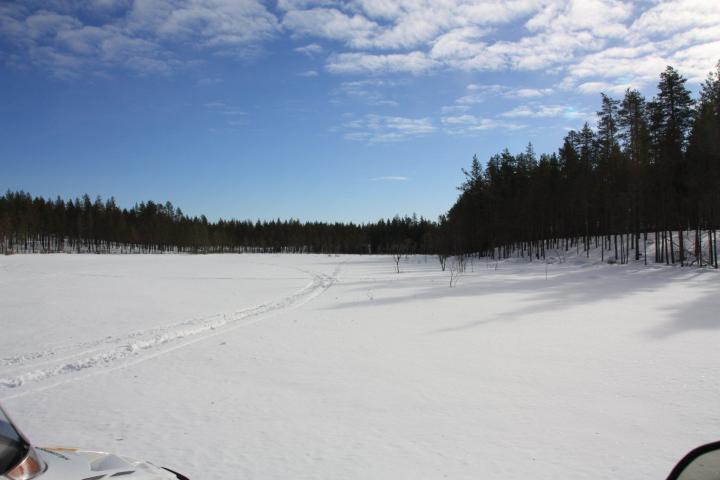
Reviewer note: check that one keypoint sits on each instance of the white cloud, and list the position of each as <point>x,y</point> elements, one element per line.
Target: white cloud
<point>532,92</point>
<point>580,39</point>
<point>682,33</point>
<point>461,120</point>
<point>387,103</point>
<point>371,91</point>
<point>354,63</point>
<point>695,62</point>
<point>391,178</point>
<point>604,87</point>
<point>593,44</point>
<point>601,18</point>
<point>210,23</point>
<point>483,92</point>
<point>308,73</point>
<point>402,24</point>
<point>544,111</point>
<point>412,23</point>
<point>330,23</point>
<point>310,49</point>
<point>142,36</point>
<point>455,33</point>
<point>382,128</point>
<point>627,65</point>
<point>677,16</point>
<point>459,44</point>
<point>473,125</point>
<point>448,109</point>
<point>48,24</point>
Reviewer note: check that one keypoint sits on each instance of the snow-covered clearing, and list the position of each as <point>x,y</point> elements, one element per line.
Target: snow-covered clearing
<point>303,366</point>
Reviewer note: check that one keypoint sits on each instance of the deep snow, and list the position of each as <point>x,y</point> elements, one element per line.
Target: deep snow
<point>303,366</point>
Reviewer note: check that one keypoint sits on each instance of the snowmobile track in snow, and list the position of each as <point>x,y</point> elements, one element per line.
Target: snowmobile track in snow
<point>39,369</point>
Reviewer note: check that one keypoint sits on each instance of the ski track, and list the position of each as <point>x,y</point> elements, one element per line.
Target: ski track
<point>40,368</point>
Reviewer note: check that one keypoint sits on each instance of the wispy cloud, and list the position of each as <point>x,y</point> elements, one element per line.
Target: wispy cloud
<point>215,105</point>
<point>461,120</point>
<point>472,125</point>
<point>308,73</point>
<point>231,117</point>
<point>387,103</point>
<point>233,112</point>
<point>427,35</point>
<point>544,111</point>
<point>452,109</point>
<point>136,36</point>
<point>372,91</point>
<point>310,49</point>
<point>391,178</point>
<point>374,128</point>
<point>583,40</point>
<point>590,44</point>
<point>359,63</point>
<point>480,93</point>
<point>595,88</point>
<point>361,24</point>
<point>531,92</point>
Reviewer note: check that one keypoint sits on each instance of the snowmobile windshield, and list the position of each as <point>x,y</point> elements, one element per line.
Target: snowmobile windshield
<point>13,446</point>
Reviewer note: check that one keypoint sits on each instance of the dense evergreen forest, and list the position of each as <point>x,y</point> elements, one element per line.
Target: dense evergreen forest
<point>651,168</point>
<point>30,224</point>
<point>650,171</point>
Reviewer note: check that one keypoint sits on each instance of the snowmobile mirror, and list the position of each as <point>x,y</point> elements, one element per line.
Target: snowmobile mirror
<point>703,463</point>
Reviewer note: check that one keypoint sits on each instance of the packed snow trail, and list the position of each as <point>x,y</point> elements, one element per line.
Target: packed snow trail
<point>39,369</point>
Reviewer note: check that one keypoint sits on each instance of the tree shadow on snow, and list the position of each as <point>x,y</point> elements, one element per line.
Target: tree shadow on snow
<point>566,286</point>
<point>699,313</point>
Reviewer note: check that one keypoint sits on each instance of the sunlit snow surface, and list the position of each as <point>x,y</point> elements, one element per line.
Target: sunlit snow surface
<point>302,366</point>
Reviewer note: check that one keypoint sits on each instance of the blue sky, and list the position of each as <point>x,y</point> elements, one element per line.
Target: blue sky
<point>314,109</point>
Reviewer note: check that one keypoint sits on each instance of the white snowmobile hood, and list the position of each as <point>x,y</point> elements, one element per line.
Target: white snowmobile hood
<point>74,464</point>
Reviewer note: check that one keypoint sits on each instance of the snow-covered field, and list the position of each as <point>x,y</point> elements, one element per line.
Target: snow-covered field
<point>302,366</point>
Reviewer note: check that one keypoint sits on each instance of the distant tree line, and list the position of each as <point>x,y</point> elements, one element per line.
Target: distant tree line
<point>650,168</point>
<point>36,224</point>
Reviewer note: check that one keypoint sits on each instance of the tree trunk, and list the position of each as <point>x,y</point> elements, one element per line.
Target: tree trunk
<point>681,246</point>
<point>672,250</point>
<point>615,243</point>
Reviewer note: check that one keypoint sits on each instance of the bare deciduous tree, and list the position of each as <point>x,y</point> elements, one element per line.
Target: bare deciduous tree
<point>443,260</point>
<point>396,258</point>
<point>456,268</point>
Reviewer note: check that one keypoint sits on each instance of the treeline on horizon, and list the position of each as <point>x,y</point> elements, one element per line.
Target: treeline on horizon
<point>36,224</point>
<point>650,168</point>
<point>650,171</point>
